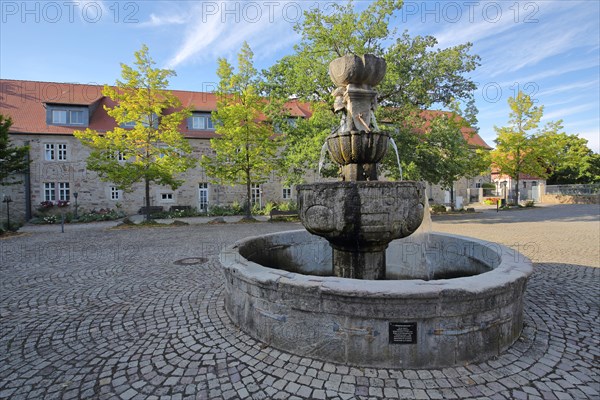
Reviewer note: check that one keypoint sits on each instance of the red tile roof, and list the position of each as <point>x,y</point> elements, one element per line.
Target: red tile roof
<point>25,102</point>
<point>469,134</point>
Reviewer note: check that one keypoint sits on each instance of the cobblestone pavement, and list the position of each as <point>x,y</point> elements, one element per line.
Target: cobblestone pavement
<point>138,314</point>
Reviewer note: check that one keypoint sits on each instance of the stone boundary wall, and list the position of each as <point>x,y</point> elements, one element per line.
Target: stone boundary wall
<point>567,199</point>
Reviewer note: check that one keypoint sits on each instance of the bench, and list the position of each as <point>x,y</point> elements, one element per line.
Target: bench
<point>152,209</point>
<point>180,208</point>
<point>274,214</point>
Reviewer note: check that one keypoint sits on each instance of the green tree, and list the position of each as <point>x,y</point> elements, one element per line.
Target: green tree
<point>245,148</point>
<point>418,76</point>
<point>575,163</point>
<point>154,149</point>
<point>300,137</point>
<point>13,159</point>
<point>522,148</point>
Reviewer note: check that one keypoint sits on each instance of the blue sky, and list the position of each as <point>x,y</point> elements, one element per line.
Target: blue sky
<point>549,49</point>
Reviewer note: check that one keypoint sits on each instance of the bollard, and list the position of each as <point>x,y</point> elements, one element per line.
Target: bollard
<point>62,222</point>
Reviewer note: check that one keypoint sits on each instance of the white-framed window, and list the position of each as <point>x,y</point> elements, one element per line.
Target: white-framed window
<point>49,191</point>
<point>286,193</point>
<point>55,151</point>
<point>201,122</point>
<point>61,151</point>
<point>256,194</point>
<point>116,155</point>
<point>168,197</point>
<point>64,191</point>
<point>115,194</point>
<point>57,191</point>
<point>49,151</point>
<point>59,117</point>
<point>203,197</point>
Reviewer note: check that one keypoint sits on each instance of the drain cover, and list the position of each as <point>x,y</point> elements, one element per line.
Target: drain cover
<point>191,261</point>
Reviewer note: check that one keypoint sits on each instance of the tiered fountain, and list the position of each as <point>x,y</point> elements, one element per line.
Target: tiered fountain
<point>331,292</point>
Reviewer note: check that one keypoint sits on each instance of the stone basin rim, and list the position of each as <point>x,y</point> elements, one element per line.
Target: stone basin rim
<point>512,267</point>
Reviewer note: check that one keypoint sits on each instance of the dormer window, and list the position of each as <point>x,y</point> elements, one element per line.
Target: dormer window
<point>201,122</point>
<point>67,115</point>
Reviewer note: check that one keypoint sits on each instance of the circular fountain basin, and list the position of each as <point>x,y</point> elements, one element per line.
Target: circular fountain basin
<point>460,300</point>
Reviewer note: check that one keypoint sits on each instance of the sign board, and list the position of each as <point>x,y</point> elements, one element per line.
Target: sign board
<point>403,332</point>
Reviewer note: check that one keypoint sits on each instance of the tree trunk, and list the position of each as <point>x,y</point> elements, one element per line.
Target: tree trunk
<point>147,182</point>
<point>517,191</point>
<point>248,195</point>
<point>452,197</point>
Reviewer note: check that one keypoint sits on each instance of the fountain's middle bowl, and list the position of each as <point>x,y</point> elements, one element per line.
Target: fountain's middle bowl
<point>363,213</point>
<point>356,147</point>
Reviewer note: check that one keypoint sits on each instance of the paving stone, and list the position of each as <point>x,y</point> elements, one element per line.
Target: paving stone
<point>152,329</point>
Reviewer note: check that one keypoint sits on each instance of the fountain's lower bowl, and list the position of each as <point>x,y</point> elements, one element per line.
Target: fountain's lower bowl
<point>278,291</point>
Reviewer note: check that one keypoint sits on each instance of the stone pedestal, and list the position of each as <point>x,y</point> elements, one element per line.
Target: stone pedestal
<point>360,219</point>
<point>359,263</point>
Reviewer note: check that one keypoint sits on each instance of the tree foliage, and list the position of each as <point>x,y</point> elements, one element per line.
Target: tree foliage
<point>154,148</point>
<point>418,76</point>
<point>13,159</point>
<point>301,136</point>
<point>245,149</point>
<point>576,162</point>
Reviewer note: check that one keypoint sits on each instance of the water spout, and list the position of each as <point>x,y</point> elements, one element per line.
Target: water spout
<point>397,157</point>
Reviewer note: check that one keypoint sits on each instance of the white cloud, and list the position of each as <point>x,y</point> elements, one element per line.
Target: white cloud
<point>569,87</point>
<point>219,29</point>
<point>563,112</point>
<point>160,20</point>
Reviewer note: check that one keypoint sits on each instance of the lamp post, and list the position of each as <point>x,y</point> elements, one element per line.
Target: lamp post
<point>7,200</point>
<point>75,195</point>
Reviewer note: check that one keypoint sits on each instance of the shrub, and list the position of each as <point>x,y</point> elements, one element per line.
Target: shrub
<point>488,185</point>
<point>438,208</point>
<point>288,206</point>
<point>492,201</point>
<point>256,210</point>
<point>49,219</point>
<point>222,211</point>
<point>270,206</point>
<point>13,227</point>
<point>529,203</point>
<point>104,214</point>
<point>237,208</point>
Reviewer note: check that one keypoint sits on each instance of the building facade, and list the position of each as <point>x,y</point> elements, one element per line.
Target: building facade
<point>45,115</point>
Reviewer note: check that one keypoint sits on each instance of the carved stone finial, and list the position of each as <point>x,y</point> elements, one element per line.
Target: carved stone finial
<point>357,145</point>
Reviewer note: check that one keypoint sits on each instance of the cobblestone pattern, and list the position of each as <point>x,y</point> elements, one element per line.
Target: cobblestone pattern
<point>108,315</point>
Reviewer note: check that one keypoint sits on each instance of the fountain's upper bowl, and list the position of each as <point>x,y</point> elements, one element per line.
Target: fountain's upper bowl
<point>365,70</point>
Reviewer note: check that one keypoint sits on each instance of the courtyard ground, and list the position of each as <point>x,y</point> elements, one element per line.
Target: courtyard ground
<point>104,313</point>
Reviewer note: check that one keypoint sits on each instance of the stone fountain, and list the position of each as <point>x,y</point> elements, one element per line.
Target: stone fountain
<point>333,291</point>
<point>359,216</point>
